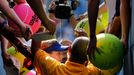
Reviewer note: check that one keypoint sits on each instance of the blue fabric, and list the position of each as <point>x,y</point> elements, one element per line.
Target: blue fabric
<point>65,31</point>
<point>101,1</point>
<point>2,71</point>
<point>56,47</point>
<point>81,9</point>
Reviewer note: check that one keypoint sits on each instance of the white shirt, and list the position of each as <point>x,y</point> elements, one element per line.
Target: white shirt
<point>111,8</point>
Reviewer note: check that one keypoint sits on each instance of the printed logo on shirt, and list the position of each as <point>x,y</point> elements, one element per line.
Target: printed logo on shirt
<point>34,19</point>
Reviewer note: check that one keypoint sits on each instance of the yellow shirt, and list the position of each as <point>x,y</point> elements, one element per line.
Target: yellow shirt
<point>45,65</point>
<point>96,71</point>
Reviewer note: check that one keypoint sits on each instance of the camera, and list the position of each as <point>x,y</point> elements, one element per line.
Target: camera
<point>63,8</point>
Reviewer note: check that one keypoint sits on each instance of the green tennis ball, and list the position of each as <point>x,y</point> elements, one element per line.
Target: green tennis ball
<point>83,24</point>
<point>104,19</point>
<point>11,51</point>
<point>113,70</point>
<point>111,50</point>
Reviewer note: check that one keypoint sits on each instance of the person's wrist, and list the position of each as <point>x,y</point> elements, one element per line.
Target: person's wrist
<point>23,28</point>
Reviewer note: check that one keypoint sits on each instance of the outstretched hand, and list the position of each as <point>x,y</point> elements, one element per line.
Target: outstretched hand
<point>27,33</point>
<point>92,47</point>
<point>80,32</point>
<point>125,45</point>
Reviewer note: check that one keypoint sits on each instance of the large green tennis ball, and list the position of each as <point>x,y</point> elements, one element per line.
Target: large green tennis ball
<point>113,70</point>
<point>83,24</point>
<point>111,50</point>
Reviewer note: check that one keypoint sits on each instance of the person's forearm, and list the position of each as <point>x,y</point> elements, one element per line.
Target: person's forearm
<point>4,44</point>
<point>37,39</point>
<point>39,8</point>
<point>125,14</point>
<point>15,41</point>
<point>35,46</point>
<point>93,6</point>
<point>4,7</point>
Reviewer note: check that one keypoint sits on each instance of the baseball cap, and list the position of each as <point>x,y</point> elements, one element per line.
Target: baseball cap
<point>56,46</point>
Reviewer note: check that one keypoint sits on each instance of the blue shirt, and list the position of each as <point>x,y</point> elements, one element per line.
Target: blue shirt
<point>2,71</point>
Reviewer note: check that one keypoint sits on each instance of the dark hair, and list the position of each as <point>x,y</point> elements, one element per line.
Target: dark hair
<point>79,50</point>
